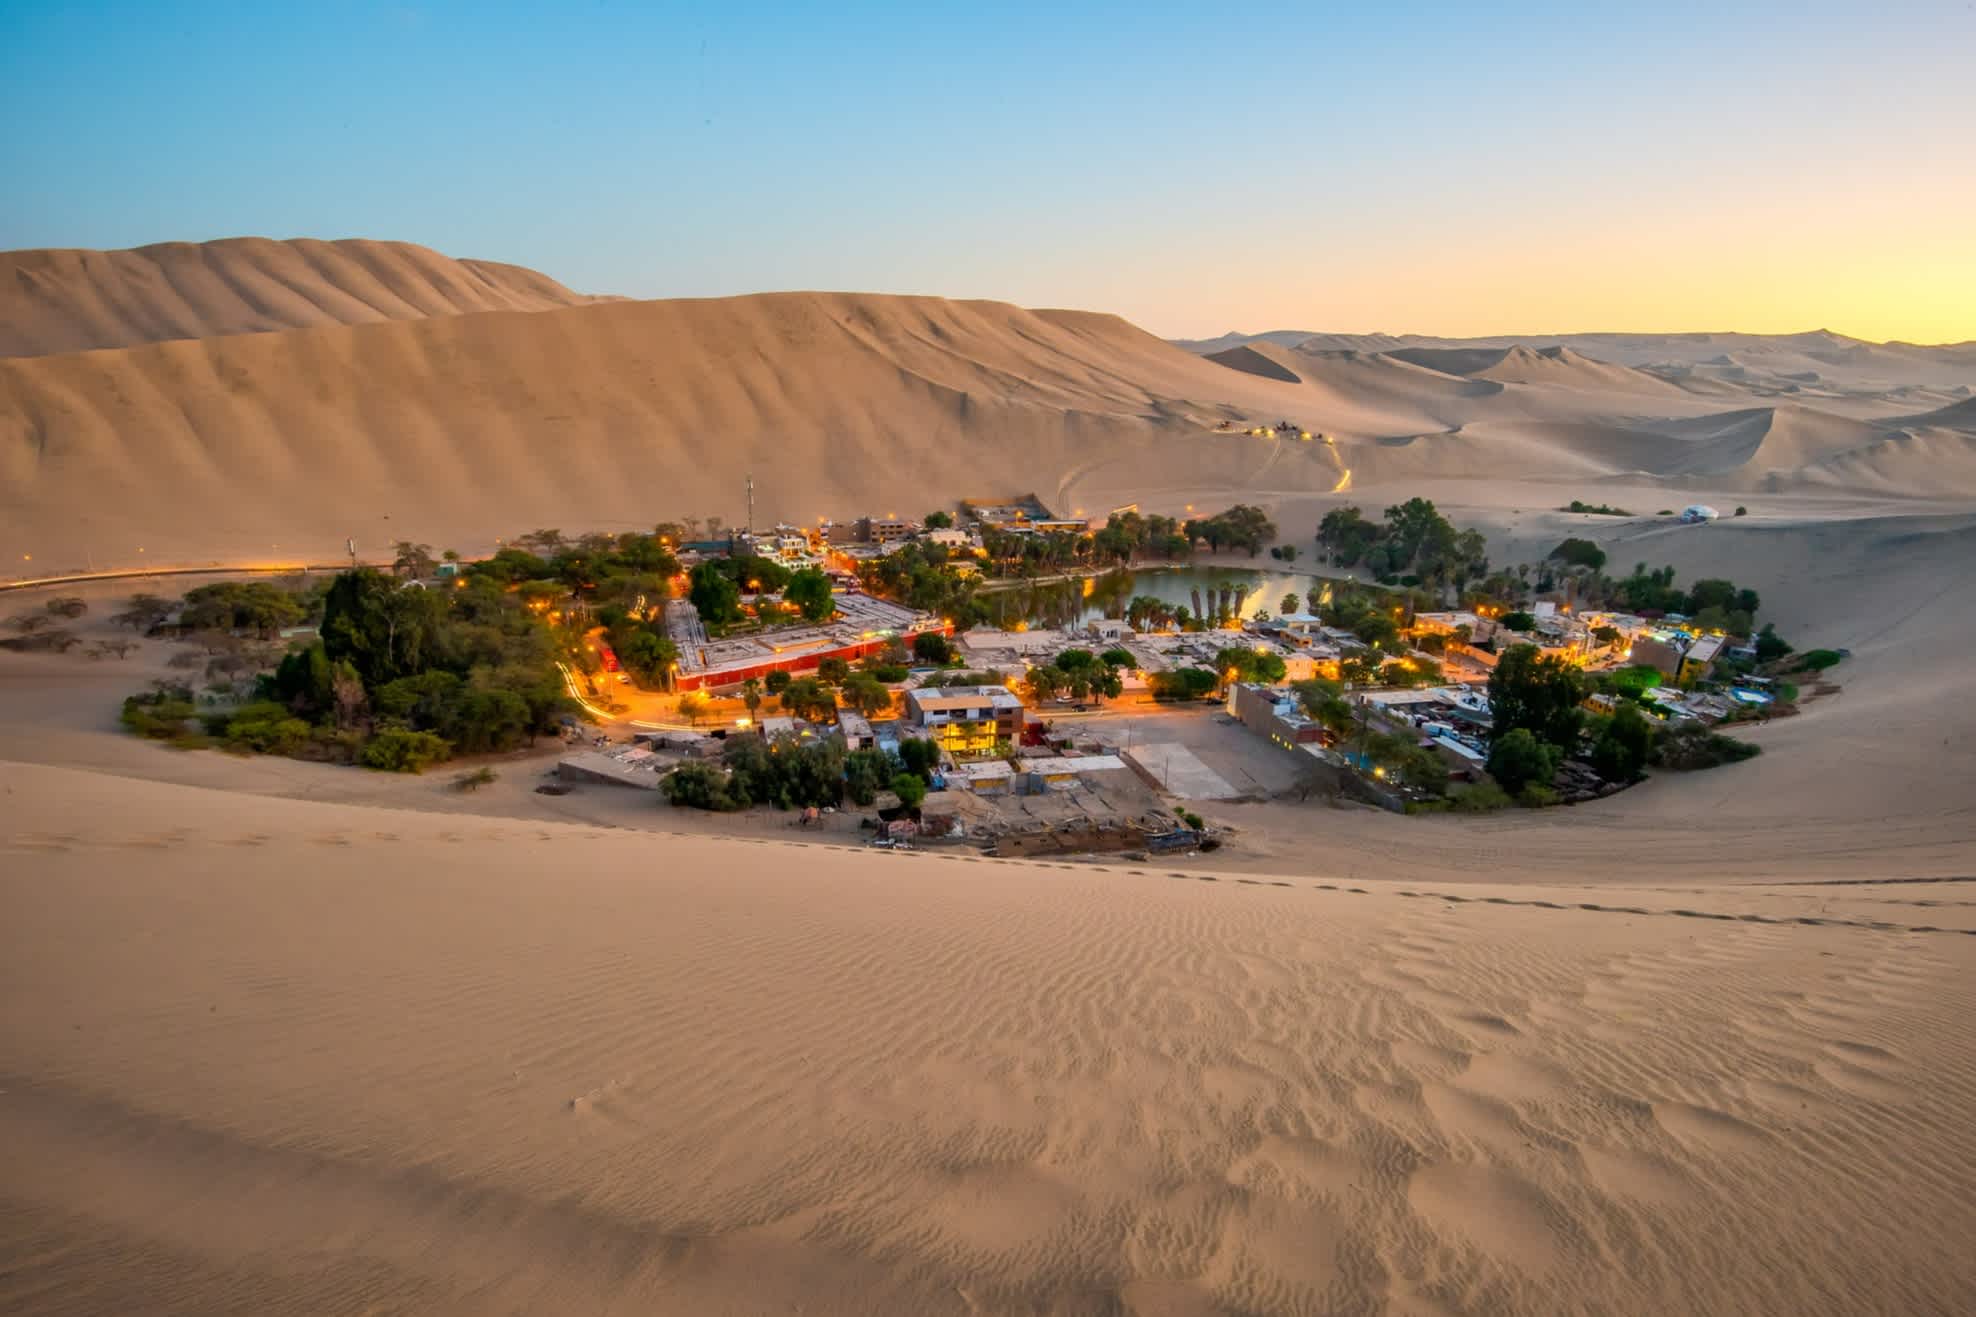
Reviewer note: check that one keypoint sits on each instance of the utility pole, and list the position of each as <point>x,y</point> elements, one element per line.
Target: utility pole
<point>751,504</point>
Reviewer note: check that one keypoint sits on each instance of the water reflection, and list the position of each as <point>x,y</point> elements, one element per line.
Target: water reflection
<point>1154,597</point>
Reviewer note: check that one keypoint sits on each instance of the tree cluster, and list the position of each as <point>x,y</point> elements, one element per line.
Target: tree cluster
<point>1414,544</point>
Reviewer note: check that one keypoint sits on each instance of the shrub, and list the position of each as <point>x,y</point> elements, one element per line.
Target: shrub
<point>699,786</point>
<point>396,750</point>
<point>1742,511</point>
<point>161,715</point>
<point>475,780</point>
<point>1769,645</point>
<point>1817,660</point>
<point>1692,746</point>
<point>1518,621</point>
<point>264,727</point>
<point>1534,796</point>
<point>1482,798</point>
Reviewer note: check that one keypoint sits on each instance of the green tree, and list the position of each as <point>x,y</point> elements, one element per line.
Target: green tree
<point>1623,746</point>
<point>1292,602</point>
<point>919,756</point>
<point>808,592</point>
<point>649,657</point>
<point>866,693</point>
<point>777,681</point>
<point>714,593</point>
<point>866,773</point>
<point>751,696</point>
<point>1324,701</point>
<point>911,790</point>
<point>382,630</point>
<point>1518,759</point>
<point>1575,552</point>
<point>1769,645</point>
<point>1530,691</point>
<point>1118,658</point>
<point>805,697</point>
<point>938,521</point>
<point>932,647</point>
<point>832,671</point>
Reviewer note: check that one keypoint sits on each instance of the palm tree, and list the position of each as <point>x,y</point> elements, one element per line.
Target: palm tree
<point>751,695</point>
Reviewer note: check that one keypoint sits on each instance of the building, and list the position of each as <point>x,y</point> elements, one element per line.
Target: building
<point>864,626</point>
<point>855,728</point>
<point>1699,659</point>
<point>1276,714</point>
<point>1066,771</point>
<point>948,538</point>
<point>1680,656</point>
<point>965,719</point>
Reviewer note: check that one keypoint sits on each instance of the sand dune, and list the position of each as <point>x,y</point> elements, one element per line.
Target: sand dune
<point>449,427</point>
<point>472,1065</point>
<point>1265,359</point>
<point>70,300</point>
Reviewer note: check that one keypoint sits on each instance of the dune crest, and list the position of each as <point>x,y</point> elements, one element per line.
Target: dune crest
<point>71,300</point>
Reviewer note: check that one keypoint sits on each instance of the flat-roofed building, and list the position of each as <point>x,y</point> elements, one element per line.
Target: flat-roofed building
<point>965,718</point>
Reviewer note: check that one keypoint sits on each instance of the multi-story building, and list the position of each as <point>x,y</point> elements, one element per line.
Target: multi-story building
<point>964,719</point>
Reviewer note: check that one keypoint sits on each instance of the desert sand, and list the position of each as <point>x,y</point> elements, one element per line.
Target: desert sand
<point>281,1037</point>
<point>310,1057</point>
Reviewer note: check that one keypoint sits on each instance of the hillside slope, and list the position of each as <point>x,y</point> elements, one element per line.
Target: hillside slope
<point>65,300</point>
<point>615,413</point>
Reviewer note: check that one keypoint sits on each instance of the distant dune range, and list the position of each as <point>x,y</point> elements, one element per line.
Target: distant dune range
<point>257,397</point>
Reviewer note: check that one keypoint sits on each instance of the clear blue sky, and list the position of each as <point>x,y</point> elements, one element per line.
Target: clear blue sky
<point>1453,169</point>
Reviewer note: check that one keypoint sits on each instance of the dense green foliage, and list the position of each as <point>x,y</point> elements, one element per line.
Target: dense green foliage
<point>715,596</point>
<point>1623,745</point>
<point>806,697</point>
<point>1519,758</point>
<point>1183,684</point>
<point>1539,694</point>
<point>1575,552</point>
<point>401,676</point>
<point>255,606</point>
<point>932,647</point>
<point>1817,660</point>
<point>1245,664</point>
<point>1414,540</point>
<point>1599,509</point>
<point>1240,527</point>
<point>1635,681</point>
<point>808,592</point>
<point>1323,701</point>
<point>399,750</point>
